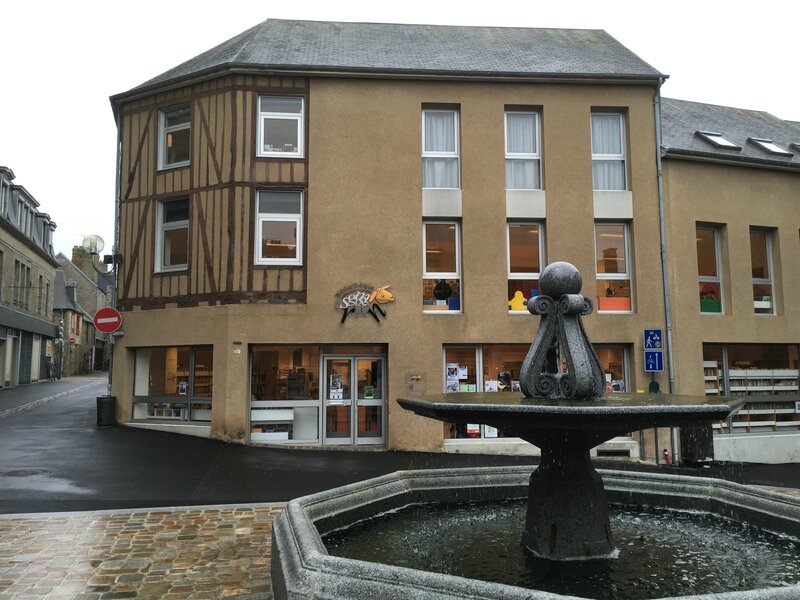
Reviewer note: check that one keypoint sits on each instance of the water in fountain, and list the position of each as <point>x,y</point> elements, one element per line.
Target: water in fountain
<point>661,552</point>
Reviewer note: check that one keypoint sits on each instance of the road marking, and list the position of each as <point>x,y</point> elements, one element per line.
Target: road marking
<point>34,403</point>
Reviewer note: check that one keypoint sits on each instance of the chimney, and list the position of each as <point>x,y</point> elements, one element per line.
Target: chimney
<point>83,260</point>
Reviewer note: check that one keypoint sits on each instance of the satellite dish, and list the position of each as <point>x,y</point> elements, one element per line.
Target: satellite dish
<point>93,244</point>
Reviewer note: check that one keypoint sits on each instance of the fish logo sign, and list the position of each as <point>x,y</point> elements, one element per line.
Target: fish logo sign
<point>363,299</point>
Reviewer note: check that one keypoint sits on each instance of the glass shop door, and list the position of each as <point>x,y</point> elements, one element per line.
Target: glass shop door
<point>355,400</point>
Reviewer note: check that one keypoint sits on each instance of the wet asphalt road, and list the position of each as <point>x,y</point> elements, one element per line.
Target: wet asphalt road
<point>53,457</point>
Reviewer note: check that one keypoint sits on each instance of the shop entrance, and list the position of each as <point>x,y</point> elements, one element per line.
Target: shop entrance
<point>354,398</point>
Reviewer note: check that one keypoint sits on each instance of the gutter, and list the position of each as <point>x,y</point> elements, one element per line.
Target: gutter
<point>739,161</point>
<point>354,72</point>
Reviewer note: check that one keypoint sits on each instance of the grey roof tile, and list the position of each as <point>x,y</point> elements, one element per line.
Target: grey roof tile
<point>417,49</point>
<point>681,119</point>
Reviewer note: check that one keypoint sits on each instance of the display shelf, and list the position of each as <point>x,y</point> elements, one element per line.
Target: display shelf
<point>763,416</point>
<point>712,377</point>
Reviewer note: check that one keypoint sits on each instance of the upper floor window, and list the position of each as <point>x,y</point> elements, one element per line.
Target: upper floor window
<point>522,151</point>
<point>441,269</point>
<point>708,269</point>
<point>279,228</point>
<point>280,126</point>
<point>613,267</point>
<point>175,129</point>
<point>761,262</point>
<point>525,251</point>
<point>440,149</point>
<point>608,152</point>
<point>172,241</point>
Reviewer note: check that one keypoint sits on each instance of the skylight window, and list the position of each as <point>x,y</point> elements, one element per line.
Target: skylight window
<point>795,145</point>
<point>770,146</point>
<point>718,140</point>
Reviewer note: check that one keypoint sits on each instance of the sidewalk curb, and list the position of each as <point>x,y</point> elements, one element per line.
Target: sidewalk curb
<point>34,403</point>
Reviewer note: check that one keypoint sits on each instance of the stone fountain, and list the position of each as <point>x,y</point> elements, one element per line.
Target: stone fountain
<point>562,411</point>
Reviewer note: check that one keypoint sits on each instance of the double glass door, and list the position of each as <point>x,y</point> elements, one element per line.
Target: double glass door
<point>355,399</point>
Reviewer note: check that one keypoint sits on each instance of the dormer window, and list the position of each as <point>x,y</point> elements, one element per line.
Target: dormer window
<point>770,146</point>
<point>795,145</point>
<point>717,139</point>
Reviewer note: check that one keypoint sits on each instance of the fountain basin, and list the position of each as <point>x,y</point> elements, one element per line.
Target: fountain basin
<point>302,567</point>
<point>567,517</point>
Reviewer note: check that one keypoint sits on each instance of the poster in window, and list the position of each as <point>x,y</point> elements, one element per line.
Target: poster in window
<point>490,385</point>
<point>467,387</point>
<point>515,385</point>
<point>489,431</point>
<point>451,372</point>
<point>182,388</point>
<point>369,392</point>
<point>452,387</point>
<point>463,373</point>
<point>473,430</point>
<point>336,386</point>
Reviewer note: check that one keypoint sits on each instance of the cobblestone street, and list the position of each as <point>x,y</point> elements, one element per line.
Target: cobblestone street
<point>197,553</point>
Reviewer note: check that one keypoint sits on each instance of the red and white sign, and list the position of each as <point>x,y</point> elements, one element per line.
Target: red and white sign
<point>107,320</point>
<point>71,341</point>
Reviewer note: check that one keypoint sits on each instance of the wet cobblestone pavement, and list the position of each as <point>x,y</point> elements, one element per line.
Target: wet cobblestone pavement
<point>174,554</point>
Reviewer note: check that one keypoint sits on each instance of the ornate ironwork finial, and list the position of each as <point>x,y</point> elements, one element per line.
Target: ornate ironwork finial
<point>561,337</point>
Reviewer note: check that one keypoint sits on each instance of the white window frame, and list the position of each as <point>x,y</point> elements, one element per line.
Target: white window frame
<point>441,154</point>
<point>516,276</point>
<point>627,275</point>
<point>718,279</point>
<point>298,117</point>
<point>535,157</point>
<point>768,239</point>
<point>163,131</point>
<point>161,229</point>
<point>281,218</point>
<point>613,157</point>
<point>443,275</point>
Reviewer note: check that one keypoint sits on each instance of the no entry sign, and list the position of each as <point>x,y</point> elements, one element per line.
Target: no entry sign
<point>107,320</point>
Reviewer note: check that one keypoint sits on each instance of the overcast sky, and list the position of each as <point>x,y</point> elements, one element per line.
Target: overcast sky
<point>62,60</point>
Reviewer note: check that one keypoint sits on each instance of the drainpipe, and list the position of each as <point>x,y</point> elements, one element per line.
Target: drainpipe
<point>663,233</point>
<point>115,247</point>
<point>664,267</point>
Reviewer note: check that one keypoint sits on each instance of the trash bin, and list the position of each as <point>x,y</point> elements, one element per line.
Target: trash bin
<point>106,411</point>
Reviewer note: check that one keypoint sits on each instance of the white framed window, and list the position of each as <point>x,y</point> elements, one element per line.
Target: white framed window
<point>172,240</point>
<point>279,227</point>
<point>770,146</point>
<point>612,252</point>
<point>708,269</point>
<point>174,137</point>
<point>525,252</point>
<point>280,126</point>
<point>608,151</point>
<point>440,149</point>
<point>523,165</point>
<point>761,263</point>
<point>717,139</point>
<point>441,266</point>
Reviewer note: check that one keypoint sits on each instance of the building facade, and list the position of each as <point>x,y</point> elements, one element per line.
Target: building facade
<point>91,293</point>
<point>303,244</point>
<point>309,231</point>
<point>27,275</point>
<point>732,183</point>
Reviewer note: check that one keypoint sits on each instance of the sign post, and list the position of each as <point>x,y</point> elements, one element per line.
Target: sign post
<point>653,350</point>
<point>107,320</point>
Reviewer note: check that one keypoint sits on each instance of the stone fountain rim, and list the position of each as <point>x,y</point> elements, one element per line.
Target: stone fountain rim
<point>302,567</point>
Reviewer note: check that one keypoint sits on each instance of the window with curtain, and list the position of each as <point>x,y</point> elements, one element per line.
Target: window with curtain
<point>608,152</point>
<point>440,149</point>
<point>522,151</point>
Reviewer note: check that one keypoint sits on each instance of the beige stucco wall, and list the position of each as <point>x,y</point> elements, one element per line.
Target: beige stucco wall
<point>734,198</point>
<point>364,224</point>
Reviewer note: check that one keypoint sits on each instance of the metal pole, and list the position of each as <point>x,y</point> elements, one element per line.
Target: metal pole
<point>115,246</point>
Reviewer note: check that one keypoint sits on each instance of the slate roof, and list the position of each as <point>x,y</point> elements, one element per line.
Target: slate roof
<point>681,119</point>
<point>64,300</point>
<point>416,50</point>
